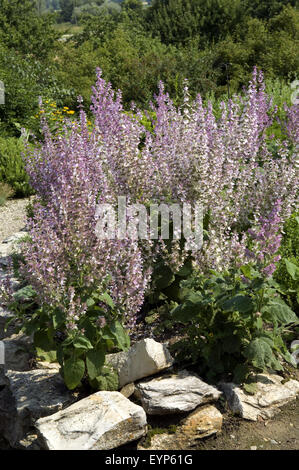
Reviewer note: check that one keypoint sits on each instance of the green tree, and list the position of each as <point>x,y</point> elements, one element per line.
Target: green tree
<point>22,29</point>
<point>267,8</point>
<point>177,21</point>
<point>67,9</point>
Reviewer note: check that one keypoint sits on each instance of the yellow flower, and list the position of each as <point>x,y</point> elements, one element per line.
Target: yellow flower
<point>71,112</point>
<point>65,107</point>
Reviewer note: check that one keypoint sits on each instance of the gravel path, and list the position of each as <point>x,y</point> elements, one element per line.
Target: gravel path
<point>12,217</point>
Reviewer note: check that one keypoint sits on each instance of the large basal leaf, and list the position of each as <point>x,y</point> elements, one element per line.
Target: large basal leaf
<point>281,312</point>
<point>73,372</point>
<point>120,335</point>
<point>108,380</point>
<point>292,269</point>
<point>239,303</point>
<point>95,359</point>
<point>45,346</point>
<point>260,353</point>
<point>185,312</point>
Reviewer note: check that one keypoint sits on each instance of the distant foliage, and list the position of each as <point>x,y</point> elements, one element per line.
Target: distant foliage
<point>287,273</point>
<point>12,171</point>
<point>22,29</point>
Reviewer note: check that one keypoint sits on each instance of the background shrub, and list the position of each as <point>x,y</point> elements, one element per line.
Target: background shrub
<point>12,170</point>
<point>290,251</point>
<point>5,192</point>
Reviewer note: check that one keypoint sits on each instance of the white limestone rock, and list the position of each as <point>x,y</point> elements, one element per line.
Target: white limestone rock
<point>144,358</point>
<point>102,421</point>
<point>27,396</point>
<point>203,422</point>
<point>175,393</point>
<point>270,395</point>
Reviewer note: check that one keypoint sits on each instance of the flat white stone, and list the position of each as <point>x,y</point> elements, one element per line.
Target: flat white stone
<point>266,402</point>
<point>102,421</point>
<point>175,393</point>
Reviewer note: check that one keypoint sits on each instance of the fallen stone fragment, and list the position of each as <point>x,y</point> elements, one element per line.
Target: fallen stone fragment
<point>27,396</point>
<point>128,390</point>
<point>175,393</point>
<point>145,358</point>
<point>203,422</point>
<point>29,442</point>
<point>270,395</point>
<point>44,365</point>
<point>102,421</point>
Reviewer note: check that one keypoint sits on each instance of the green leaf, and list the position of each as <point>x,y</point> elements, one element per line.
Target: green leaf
<point>107,299</point>
<point>90,302</point>
<point>24,294</point>
<point>108,380</point>
<point>246,270</point>
<point>48,356</point>
<point>260,353</point>
<point>239,303</point>
<point>95,359</point>
<point>259,323</point>
<point>186,312</point>
<point>73,372</point>
<point>249,272</point>
<point>250,388</point>
<point>120,335</point>
<point>58,318</point>
<point>281,312</point>
<point>292,269</point>
<point>82,342</point>
<point>107,334</point>
<point>45,346</point>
